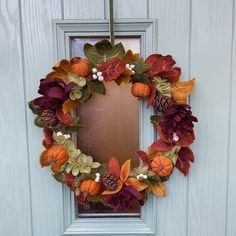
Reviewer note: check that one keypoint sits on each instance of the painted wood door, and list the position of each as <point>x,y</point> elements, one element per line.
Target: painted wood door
<point>200,34</point>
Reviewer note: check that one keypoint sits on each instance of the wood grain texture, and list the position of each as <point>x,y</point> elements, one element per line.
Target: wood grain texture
<point>15,207</point>
<point>210,63</point>
<point>231,193</point>
<point>83,9</point>
<point>173,38</point>
<point>127,8</point>
<point>47,208</point>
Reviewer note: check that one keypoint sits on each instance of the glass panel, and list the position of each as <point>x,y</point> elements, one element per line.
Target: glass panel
<point>111,124</point>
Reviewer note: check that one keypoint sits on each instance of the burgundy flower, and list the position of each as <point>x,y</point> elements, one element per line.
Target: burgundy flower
<point>177,125</point>
<point>162,66</point>
<point>122,200</point>
<point>54,91</point>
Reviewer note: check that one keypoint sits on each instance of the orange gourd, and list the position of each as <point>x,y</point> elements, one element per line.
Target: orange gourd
<point>56,156</point>
<point>81,67</point>
<point>90,187</point>
<point>162,165</point>
<point>140,90</point>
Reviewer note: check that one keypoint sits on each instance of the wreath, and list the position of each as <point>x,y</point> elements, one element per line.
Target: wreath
<point>73,82</point>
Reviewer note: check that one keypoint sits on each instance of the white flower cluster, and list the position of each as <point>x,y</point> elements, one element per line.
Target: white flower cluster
<point>67,136</point>
<point>141,176</point>
<point>175,137</point>
<point>130,67</point>
<point>97,74</point>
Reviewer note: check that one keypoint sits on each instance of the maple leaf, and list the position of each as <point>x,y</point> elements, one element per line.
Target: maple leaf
<point>114,166</point>
<point>130,56</point>
<point>112,69</point>
<point>185,156</point>
<point>159,189</point>
<point>144,157</point>
<point>64,118</point>
<point>160,146</point>
<point>125,171</point>
<point>153,94</point>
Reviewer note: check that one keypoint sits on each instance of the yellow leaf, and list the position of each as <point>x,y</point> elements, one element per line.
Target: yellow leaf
<point>159,190</point>
<point>140,186</point>
<point>64,65</point>
<point>57,74</point>
<point>125,170</point>
<point>68,105</point>
<point>109,192</point>
<point>181,90</point>
<point>124,77</point>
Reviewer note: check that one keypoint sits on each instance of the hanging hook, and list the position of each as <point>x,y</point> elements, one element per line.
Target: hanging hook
<point>111,21</point>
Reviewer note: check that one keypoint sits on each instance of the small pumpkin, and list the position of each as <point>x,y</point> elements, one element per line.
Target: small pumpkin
<point>90,187</point>
<point>56,156</point>
<point>161,165</point>
<point>140,90</point>
<point>81,67</point>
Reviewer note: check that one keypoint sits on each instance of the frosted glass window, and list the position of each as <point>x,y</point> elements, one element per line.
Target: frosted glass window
<point>111,124</point>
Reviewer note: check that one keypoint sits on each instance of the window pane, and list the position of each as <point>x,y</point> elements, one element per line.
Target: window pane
<point>111,122</point>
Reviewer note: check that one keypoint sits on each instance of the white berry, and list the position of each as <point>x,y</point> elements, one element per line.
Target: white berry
<point>67,136</point>
<point>132,66</point>
<point>99,73</point>
<point>94,70</point>
<point>145,176</point>
<point>59,133</point>
<point>94,76</point>
<point>127,65</point>
<point>100,78</point>
<point>175,137</point>
<point>97,177</point>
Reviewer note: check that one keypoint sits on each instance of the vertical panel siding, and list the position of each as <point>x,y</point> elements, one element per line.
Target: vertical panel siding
<point>210,63</point>
<point>83,9</point>
<point>231,206</point>
<point>173,38</point>
<point>37,18</point>
<point>14,174</point>
<point>128,8</point>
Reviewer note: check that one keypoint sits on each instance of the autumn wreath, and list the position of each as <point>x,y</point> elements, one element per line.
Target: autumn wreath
<point>73,82</point>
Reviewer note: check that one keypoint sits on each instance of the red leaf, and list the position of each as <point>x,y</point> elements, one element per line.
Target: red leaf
<point>69,179</point>
<point>48,137</point>
<point>112,69</point>
<point>185,139</point>
<point>161,146</point>
<point>153,94</point>
<point>171,75</point>
<point>144,157</point>
<point>64,118</point>
<point>114,167</point>
<point>162,135</point>
<point>162,66</point>
<point>183,162</point>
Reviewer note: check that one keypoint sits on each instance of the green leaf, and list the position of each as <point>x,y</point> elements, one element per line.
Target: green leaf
<point>86,94</point>
<point>163,86</point>
<point>95,199</point>
<point>95,165</point>
<point>154,179</point>
<point>140,66</point>
<point>172,154</point>
<point>156,118</point>
<point>97,86</point>
<point>103,51</point>
<point>38,121</point>
<point>59,177</point>
<point>140,78</point>
<point>102,169</point>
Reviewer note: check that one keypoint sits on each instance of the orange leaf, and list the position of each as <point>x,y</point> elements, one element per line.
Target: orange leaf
<point>181,90</point>
<point>125,170</point>
<point>140,186</point>
<point>43,159</point>
<point>159,190</point>
<point>68,105</point>
<point>114,166</point>
<point>130,56</point>
<point>119,186</point>
<point>57,74</point>
<point>64,65</point>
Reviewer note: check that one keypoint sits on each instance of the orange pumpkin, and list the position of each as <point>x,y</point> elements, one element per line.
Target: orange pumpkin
<point>90,186</point>
<point>162,165</point>
<point>81,67</point>
<point>140,90</point>
<point>56,156</point>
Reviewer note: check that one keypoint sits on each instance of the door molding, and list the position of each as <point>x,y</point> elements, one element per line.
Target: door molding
<point>63,31</point>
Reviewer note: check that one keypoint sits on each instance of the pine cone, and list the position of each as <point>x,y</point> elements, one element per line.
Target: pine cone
<point>49,118</point>
<point>109,181</point>
<point>162,103</point>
